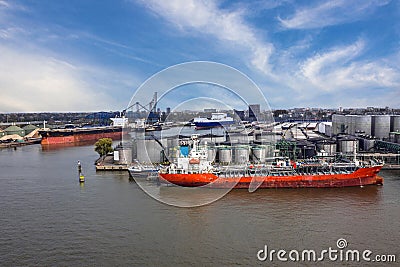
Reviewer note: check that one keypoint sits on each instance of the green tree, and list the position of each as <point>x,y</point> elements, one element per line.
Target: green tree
<point>103,146</point>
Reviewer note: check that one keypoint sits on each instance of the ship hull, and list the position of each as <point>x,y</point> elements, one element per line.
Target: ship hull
<point>210,124</point>
<point>77,136</point>
<point>360,177</point>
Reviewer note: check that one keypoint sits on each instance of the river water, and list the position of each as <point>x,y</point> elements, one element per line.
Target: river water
<point>49,219</point>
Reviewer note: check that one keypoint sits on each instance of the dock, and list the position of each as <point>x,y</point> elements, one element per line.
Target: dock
<point>107,164</point>
<point>111,167</point>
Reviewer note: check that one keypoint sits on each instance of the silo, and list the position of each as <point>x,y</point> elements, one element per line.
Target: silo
<point>367,144</point>
<point>125,155</point>
<point>148,151</point>
<point>328,129</point>
<point>241,154</point>
<point>141,154</point>
<point>258,154</point>
<point>225,155</point>
<point>346,145</point>
<point>351,123</point>
<point>380,126</point>
<point>321,127</point>
<point>338,123</point>
<point>363,124</point>
<point>395,127</point>
<point>211,153</point>
<point>14,130</point>
<point>327,146</point>
<point>154,150</point>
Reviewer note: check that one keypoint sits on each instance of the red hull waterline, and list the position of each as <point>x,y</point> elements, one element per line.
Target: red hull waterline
<point>360,177</point>
<point>78,138</point>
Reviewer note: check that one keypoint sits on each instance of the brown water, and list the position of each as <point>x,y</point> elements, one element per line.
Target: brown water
<point>49,219</point>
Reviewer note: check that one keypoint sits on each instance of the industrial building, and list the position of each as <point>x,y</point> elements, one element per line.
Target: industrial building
<point>378,126</point>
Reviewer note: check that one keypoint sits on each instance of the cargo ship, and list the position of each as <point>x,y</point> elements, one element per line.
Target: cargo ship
<point>84,134</point>
<point>195,170</point>
<point>216,120</point>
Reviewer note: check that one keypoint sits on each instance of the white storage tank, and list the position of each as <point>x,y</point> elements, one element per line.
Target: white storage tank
<point>242,154</point>
<point>328,147</point>
<point>347,145</point>
<point>225,155</point>
<point>259,154</point>
<point>124,155</point>
<point>211,153</point>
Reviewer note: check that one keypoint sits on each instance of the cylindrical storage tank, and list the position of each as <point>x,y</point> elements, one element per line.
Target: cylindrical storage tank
<point>148,151</point>
<point>397,138</point>
<point>153,150</point>
<point>270,150</point>
<point>241,154</point>
<point>225,155</point>
<point>346,146</point>
<point>258,154</point>
<point>211,153</point>
<point>125,155</point>
<point>352,123</point>
<point>368,144</point>
<point>381,126</point>
<point>339,124</point>
<point>363,124</point>
<point>395,123</point>
<point>328,147</point>
<point>141,154</point>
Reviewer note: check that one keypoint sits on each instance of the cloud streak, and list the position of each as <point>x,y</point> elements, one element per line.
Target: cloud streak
<point>224,25</point>
<point>331,13</point>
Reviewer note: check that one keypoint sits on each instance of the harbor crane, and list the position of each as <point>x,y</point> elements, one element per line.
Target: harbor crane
<point>152,105</point>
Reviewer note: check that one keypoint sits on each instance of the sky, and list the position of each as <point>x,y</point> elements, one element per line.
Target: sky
<point>84,55</point>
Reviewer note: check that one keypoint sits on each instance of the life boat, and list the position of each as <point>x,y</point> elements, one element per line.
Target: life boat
<point>194,161</point>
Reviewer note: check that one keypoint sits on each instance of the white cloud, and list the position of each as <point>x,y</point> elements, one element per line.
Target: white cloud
<point>39,82</point>
<point>206,17</point>
<point>337,70</point>
<point>330,13</point>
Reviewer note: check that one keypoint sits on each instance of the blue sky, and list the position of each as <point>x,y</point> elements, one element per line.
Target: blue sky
<point>92,55</point>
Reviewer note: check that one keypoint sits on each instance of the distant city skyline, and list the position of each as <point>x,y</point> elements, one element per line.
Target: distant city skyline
<point>59,56</point>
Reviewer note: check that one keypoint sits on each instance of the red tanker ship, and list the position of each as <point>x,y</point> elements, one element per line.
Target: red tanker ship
<point>195,170</point>
<point>79,135</point>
